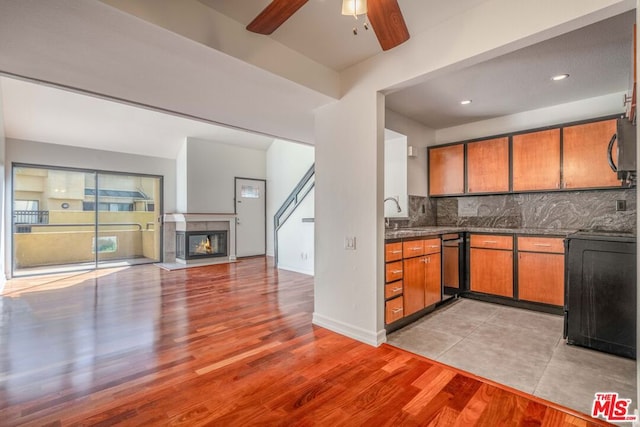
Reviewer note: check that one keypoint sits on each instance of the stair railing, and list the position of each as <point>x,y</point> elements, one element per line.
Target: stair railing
<point>291,203</point>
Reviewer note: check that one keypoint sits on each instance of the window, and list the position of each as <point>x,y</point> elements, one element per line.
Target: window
<point>250,192</point>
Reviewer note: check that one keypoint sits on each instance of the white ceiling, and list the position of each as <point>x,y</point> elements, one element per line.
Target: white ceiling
<point>320,32</point>
<point>597,57</point>
<point>46,114</point>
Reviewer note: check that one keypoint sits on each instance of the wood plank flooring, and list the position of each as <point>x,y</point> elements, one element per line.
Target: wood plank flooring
<point>221,345</point>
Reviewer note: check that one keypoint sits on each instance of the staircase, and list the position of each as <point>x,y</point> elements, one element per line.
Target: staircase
<point>292,202</point>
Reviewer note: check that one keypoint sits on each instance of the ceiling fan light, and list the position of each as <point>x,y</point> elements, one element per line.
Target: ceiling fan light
<point>354,7</point>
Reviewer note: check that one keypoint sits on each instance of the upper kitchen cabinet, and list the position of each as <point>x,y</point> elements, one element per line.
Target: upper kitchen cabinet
<point>488,166</point>
<point>446,170</point>
<point>584,154</point>
<point>536,161</point>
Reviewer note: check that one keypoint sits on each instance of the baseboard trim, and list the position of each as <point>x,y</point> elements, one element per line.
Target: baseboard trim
<point>296,270</point>
<point>355,332</point>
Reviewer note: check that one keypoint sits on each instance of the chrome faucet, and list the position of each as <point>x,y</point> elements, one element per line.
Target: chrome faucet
<point>395,199</point>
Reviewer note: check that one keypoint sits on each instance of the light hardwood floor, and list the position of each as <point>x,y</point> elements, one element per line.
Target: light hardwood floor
<point>220,345</point>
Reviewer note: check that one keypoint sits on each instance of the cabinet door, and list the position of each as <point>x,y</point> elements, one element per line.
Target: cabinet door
<point>446,170</point>
<point>433,279</point>
<point>584,151</point>
<point>541,277</point>
<point>536,161</point>
<point>413,292</point>
<point>488,166</point>
<point>491,271</point>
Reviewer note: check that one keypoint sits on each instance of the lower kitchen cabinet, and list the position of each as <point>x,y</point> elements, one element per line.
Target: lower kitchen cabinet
<point>422,278</point>
<point>394,310</point>
<point>541,270</point>
<point>393,288</point>
<point>491,265</point>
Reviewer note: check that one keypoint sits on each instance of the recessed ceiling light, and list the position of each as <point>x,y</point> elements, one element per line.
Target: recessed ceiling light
<point>559,77</point>
<point>465,102</point>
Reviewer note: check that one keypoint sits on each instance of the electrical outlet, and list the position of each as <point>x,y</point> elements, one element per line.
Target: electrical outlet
<point>621,205</point>
<point>350,243</point>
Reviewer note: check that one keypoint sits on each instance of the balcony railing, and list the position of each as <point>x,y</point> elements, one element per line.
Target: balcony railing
<point>31,217</point>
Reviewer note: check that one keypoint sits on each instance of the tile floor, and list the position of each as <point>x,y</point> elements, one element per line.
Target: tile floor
<point>519,348</point>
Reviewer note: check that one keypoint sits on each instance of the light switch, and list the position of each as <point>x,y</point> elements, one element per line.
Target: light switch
<point>350,243</point>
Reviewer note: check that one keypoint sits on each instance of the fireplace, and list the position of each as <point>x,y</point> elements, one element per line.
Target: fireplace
<point>192,245</point>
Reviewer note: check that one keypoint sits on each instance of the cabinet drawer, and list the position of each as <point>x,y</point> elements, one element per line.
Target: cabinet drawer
<point>541,244</point>
<point>393,289</point>
<point>412,248</point>
<point>394,310</point>
<point>393,271</point>
<point>393,251</point>
<point>491,242</point>
<point>431,246</point>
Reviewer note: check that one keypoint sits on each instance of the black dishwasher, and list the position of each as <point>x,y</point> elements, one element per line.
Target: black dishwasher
<point>600,300</point>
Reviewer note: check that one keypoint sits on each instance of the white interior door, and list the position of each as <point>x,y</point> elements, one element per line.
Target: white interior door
<point>251,217</point>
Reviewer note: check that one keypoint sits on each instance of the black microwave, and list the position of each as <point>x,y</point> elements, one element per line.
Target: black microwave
<point>626,137</point>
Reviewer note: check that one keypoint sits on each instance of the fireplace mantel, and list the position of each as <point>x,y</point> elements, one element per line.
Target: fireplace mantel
<point>198,222</point>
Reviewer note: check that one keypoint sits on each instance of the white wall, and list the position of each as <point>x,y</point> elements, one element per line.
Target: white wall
<point>564,113</point>
<point>395,174</point>
<point>296,239</point>
<point>38,153</point>
<point>349,139</point>
<point>181,178</point>
<point>211,171</point>
<point>287,162</point>
<point>2,192</point>
<point>418,136</point>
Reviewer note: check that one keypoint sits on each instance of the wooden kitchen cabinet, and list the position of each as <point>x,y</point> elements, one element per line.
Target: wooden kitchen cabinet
<point>488,166</point>
<point>446,170</point>
<point>422,278</point>
<point>394,285</point>
<point>491,264</point>
<point>536,160</point>
<point>414,285</point>
<point>541,270</point>
<point>394,310</point>
<point>393,251</point>
<point>584,153</point>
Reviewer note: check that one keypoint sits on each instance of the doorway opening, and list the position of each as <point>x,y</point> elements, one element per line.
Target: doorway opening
<point>70,219</point>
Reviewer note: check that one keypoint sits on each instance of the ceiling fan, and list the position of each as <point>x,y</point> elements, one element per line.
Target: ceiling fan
<point>385,17</point>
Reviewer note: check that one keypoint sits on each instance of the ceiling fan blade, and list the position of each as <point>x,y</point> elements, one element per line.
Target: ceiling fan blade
<point>274,15</point>
<point>388,23</point>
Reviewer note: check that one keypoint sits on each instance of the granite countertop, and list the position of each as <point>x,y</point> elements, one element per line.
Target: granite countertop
<point>436,230</point>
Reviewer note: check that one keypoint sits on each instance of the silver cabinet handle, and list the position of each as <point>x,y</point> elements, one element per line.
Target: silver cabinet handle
<point>396,271</point>
<point>396,310</point>
<point>396,252</point>
<point>490,241</point>
<point>415,249</point>
<point>434,246</point>
<point>426,260</point>
<point>544,245</point>
<point>396,289</point>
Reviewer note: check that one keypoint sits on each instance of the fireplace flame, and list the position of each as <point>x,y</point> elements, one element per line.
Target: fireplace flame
<point>204,247</point>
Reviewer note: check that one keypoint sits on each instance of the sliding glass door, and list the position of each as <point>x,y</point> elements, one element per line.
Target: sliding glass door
<point>65,219</point>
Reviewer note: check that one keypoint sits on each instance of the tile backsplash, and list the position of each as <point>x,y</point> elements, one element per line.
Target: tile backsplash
<point>595,209</point>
